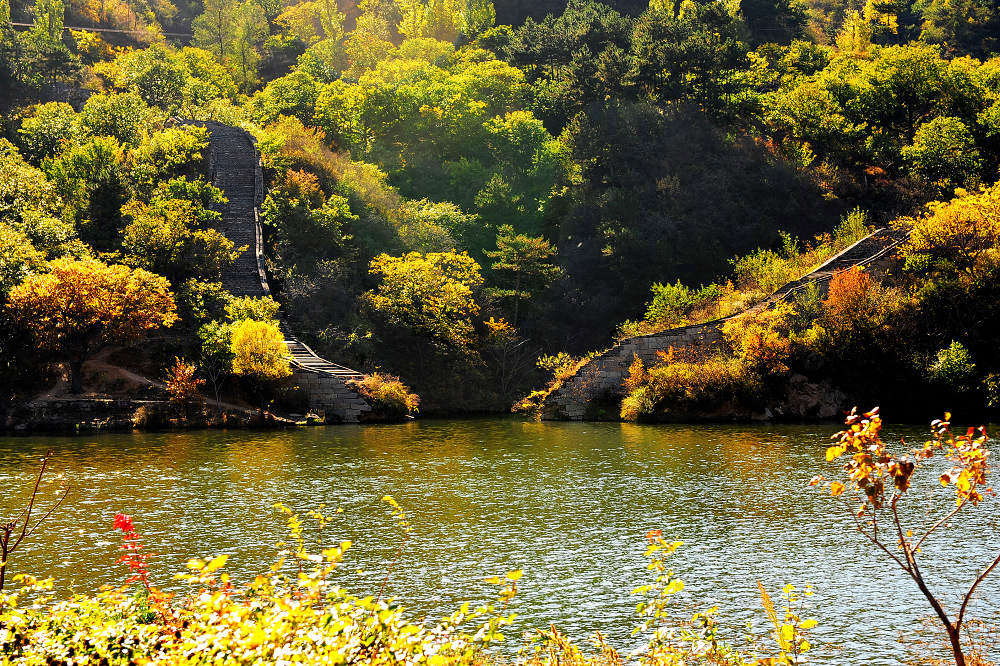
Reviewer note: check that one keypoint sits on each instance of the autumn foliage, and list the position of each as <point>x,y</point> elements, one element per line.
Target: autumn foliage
<point>80,306</point>
<point>259,350</point>
<point>133,556</point>
<point>182,382</point>
<point>878,481</point>
<point>851,295</point>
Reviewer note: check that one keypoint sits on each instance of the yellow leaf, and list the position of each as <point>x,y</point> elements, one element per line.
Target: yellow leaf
<point>216,563</point>
<point>836,488</point>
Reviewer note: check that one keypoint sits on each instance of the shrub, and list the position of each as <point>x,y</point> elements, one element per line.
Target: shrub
<point>390,398</point>
<point>297,612</point>
<point>562,366</point>
<point>852,300</point>
<point>290,614</point>
<point>259,351</point>
<point>761,340</point>
<point>182,384</point>
<point>670,302</point>
<point>685,385</point>
<point>963,233</point>
<point>761,271</point>
<point>953,367</point>
<point>875,486</point>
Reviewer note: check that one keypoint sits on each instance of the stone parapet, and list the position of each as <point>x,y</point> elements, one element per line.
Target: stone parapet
<point>602,377</point>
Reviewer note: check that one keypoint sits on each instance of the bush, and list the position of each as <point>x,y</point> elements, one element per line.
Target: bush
<point>953,367</point>
<point>685,385</point>
<point>390,398</point>
<point>297,612</point>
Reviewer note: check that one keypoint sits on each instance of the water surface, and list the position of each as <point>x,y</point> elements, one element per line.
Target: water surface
<point>569,503</point>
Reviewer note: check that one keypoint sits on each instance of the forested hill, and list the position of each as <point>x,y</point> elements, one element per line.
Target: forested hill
<point>456,188</point>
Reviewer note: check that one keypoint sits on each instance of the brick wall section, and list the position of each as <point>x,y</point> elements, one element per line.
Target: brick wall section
<point>603,375</point>
<point>236,169</point>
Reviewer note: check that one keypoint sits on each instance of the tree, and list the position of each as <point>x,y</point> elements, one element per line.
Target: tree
<point>215,353</point>
<point>878,483</point>
<point>523,266</point>
<point>18,258</point>
<point>123,116</point>
<point>163,238</point>
<point>263,309</point>
<point>691,56</point>
<point>49,129</point>
<point>157,73</point>
<point>944,152</point>
<point>432,295</point>
<point>476,17</point>
<point>215,27</point>
<point>49,20</point>
<point>92,177</point>
<point>30,205</point>
<point>249,28</point>
<point>82,306</point>
<point>259,351</point>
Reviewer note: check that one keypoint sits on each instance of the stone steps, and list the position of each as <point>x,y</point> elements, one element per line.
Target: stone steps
<point>236,171</point>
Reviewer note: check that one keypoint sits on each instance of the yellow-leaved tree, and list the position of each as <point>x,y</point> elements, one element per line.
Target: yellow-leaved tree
<point>259,351</point>
<point>81,306</point>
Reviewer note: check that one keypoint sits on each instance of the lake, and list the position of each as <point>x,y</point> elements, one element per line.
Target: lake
<point>569,503</point>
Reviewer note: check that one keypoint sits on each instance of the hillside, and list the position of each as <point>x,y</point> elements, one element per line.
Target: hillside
<point>466,195</point>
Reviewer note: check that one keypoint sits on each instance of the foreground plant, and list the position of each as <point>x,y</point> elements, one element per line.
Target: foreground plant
<point>880,481</point>
<point>14,530</point>
<point>293,613</point>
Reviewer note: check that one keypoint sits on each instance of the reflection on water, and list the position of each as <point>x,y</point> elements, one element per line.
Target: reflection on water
<point>568,503</point>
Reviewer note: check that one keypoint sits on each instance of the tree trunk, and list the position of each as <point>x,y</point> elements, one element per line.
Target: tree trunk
<point>3,562</point>
<point>955,636</point>
<point>76,376</point>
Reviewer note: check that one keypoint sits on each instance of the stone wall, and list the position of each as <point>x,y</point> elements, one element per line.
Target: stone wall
<point>96,414</point>
<point>330,397</point>
<point>237,170</point>
<point>602,377</point>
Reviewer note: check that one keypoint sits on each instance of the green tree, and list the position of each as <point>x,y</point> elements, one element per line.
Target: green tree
<point>121,115</point>
<point>215,27</point>
<point>163,238</point>
<point>944,152</point>
<point>431,295</point>
<point>51,128</point>
<point>157,73</point>
<point>18,259</point>
<point>249,28</point>
<point>523,266</point>
<point>92,177</point>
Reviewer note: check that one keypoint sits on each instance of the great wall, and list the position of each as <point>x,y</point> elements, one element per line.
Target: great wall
<point>602,376</point>
<point>236,169</point>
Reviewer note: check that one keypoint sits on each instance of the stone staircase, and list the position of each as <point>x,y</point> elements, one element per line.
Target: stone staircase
<point>603,375</point>
<point>236,169</point>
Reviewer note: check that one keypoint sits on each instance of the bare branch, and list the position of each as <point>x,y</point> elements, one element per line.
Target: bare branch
<point>968,595</point>
<point>31,502</point>
<point>49,512</point>
<point>874,540</point>
<point>946,518</point>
